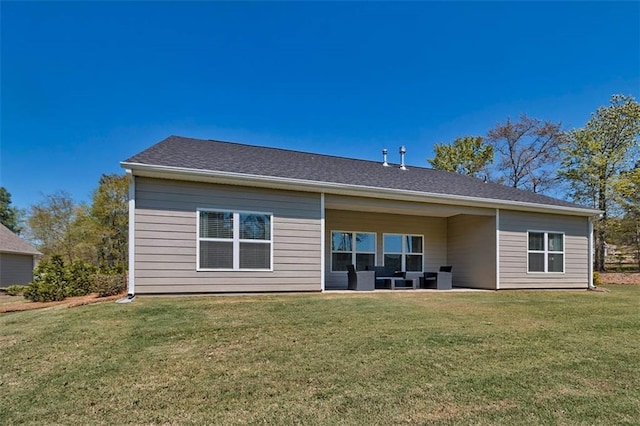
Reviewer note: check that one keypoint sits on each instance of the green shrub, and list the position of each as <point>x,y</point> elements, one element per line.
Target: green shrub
<point>596,279</point>
<point>108,284</point>
<point>53,280</point>
<point>118,268</point>
<point>79,279</point>
<point>44,292</point>
<point>15,290</point>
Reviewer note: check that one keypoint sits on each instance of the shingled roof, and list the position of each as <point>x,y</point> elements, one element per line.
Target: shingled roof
<point>216,156</point>
<point>11,243</point>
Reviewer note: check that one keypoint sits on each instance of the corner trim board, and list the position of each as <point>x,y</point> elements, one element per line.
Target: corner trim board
<point>132,233</point>
<point>322,243</point>
<point>590,251</point>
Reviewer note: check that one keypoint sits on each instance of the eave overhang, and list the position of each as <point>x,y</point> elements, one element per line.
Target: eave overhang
<point>23,253</point>
<point>274,182</point>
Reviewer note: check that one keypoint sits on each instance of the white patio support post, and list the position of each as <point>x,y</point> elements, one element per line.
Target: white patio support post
<point>497,249</point>
<point>590,262</point>
<point>322,244</point>
<point>132,234</point>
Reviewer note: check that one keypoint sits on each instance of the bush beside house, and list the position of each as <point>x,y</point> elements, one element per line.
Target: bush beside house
<point>54,280</point>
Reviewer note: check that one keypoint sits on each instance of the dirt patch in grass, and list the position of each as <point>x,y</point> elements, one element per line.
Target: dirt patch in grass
<point>18,303</point>
<point>627,278</point>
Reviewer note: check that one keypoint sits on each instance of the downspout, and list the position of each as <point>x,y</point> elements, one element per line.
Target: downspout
<point>322,243</point>
<point>131,292</point>
<point>590,250</point>
<point>497,249</point>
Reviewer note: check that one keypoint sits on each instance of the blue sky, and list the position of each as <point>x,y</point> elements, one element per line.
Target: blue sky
<point>87,85</point>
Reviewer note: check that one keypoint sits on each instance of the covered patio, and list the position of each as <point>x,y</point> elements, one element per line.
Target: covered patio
<point>410,238</point>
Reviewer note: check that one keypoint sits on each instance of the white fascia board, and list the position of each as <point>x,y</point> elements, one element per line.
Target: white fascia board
<point>232,178</point>
<point>24,253</point>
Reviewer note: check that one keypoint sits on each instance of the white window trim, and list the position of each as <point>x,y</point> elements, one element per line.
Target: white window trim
<point>403,257</point>
<point>236,240</point>
<point>354,252</point>
<point>547,252</point>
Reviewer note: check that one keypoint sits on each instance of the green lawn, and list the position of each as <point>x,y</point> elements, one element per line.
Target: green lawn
<point>544,357</point>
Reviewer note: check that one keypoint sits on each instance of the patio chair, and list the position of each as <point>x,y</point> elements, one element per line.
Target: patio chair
<point>440,280</point>
<point>360,280</point>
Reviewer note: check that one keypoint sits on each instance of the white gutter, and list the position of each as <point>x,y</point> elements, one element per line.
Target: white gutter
<point>29,253</point>
<point>233,178</point>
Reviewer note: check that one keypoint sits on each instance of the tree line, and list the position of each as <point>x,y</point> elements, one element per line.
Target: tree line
<point>597,165</point>
<point>95,233</point>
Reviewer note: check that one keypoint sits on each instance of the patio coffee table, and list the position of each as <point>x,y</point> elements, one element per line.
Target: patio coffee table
<point>414,282</point>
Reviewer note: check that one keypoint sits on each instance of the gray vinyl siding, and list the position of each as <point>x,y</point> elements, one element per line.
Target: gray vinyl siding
<point>15,269</point>
<point>513,250</point>
<point>471,250</point>
<point>165,238</point>
<point>434,230</point>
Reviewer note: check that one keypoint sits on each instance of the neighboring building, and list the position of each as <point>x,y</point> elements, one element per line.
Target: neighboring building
<point>17,259</point>
<point>210,216</point>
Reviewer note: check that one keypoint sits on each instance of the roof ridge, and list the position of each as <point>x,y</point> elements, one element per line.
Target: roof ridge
<point>299,151</point>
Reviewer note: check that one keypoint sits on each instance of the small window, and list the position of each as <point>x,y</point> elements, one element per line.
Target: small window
<point>232,241</point>
<point>545,252</point>
<point>352,248</point>
<point>403,252</point>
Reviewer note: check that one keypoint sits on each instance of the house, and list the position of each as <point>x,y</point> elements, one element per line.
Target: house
<point>210,216</point>
<point>17,259</point>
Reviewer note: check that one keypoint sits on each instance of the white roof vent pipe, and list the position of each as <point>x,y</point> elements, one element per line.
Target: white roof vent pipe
<point>384,158</point>
<point>403,151</point>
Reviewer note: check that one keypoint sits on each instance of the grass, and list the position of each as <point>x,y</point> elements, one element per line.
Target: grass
<point>477,358</point>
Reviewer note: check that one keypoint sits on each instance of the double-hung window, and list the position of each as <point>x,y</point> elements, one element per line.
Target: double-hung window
<point>545,251</point>
<point>352,248</point>
<point>234,240</point>
<point>403,252</point>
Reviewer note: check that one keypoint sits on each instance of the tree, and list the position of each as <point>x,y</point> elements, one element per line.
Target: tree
<point>597,155</point>
<point>97,234</point>
<point>467,155</point>
<point>52,225</point>
<point>527,152</point>
<point>109,212</point>
<point>628,196</point>
<point>9,216</point>
<point>628,189</point>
